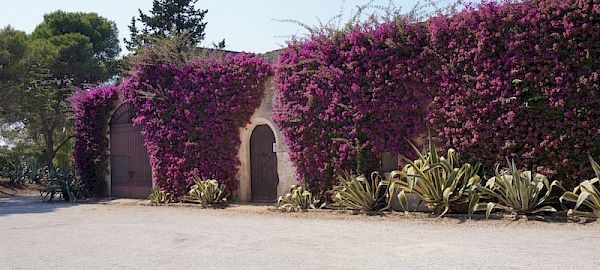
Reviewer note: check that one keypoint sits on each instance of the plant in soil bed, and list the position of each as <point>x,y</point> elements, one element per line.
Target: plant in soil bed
<point>440,182</point>
<point>208,193</point>
<point>61,182</point>
<point>158,197</point>
<point>298,199</point>
<point>514,191</point>
<point>359,193</point>
<point>586,196</point>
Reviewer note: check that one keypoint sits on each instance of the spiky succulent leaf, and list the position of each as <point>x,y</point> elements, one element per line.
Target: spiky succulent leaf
<point>158,197</point>
<point>359,193</point>
<point>208,193</point>
<point>297,199</point>
<point>514,191</point>
<point>585,194</point>
<point>440,182</point>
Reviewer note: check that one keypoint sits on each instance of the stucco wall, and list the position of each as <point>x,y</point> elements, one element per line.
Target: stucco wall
<point>262,116</point>
<point>285,170</point>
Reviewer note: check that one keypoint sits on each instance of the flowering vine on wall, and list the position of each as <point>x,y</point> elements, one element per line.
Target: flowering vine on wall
<point>91,111</point>
<point>191,114</point>
<point>366,90</point>
<point>521,80</point>
<point>498,80</point>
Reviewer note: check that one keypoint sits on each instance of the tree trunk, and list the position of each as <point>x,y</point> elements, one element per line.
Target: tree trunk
<point>49,152</point>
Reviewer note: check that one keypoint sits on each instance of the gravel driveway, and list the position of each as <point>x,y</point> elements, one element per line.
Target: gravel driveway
<point>37,235</point>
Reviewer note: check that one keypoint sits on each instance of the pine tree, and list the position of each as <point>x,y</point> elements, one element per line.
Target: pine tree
<point>166,18</point>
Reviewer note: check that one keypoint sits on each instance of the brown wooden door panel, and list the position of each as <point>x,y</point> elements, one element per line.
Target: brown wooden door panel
<point>263,164</point>
<point>119,149</point>
<point>131,176</point>
<point>141,175</point>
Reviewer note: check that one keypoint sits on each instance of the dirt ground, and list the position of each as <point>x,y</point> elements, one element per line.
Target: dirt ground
<point>122,234</point>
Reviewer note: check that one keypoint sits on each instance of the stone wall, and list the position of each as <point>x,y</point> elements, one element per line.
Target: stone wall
<point>285,170</point>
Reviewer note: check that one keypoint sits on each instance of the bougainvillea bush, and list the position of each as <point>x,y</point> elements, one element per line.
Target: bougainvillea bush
<point>91,111</point>
<point>191,112</point>
<point>501,79</point>
<point>521,80</point>
<point>351,96</point>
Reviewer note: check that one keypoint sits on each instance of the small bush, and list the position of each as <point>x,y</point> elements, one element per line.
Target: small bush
<point>21,171</point>
<point>208,193</point>
<point>440,182</point>
<point>514,191</point>
<point>158,197</point>
<point>61,183</point>
<point>586,196</point>
<point>359,193</point>
<point>298,199</point>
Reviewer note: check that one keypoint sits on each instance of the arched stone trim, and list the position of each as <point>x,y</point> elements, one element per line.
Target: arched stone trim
<point>244,173</point>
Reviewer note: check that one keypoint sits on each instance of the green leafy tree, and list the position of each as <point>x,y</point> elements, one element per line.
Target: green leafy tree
<point>13,48</point>
<point>66,51</point>
<point>166,18</point>
<point>88,44</point>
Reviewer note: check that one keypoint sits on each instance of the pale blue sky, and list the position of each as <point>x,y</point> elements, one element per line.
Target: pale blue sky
<point>245,25</point>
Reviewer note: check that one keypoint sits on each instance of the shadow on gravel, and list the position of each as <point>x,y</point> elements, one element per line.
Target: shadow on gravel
<point>29,205</point>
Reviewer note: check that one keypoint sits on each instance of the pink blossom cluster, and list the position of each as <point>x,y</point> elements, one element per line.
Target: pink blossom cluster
<point>91,111</point>
<point>191,114</point>
<point>521,80</point>
<point>496,80</point>
<point>368,88</point>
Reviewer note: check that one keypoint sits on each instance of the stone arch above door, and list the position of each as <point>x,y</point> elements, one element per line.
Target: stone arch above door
<point>285,171</point>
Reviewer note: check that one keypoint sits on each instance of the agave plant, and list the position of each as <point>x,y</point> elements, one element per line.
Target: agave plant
<point>514,191</point>
<point>207,193</point>
<point>585,194</point>
<point>61,182</point>
<point>158,197</point>
<point>359,193</point>
<point>440,182</point>
<point>299,198</point>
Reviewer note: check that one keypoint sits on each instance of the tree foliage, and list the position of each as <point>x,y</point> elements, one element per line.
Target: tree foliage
<point>166,18</point>
<point>39,72</point>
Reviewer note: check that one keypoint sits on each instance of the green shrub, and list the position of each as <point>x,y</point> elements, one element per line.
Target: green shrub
<point>208,193</point>
<point>359,193</point>
<point>61,182</point>
<point>298,199</point>
<point>22,170</point>
<point>158,197</point>
<point>514,191</point>
<point>440,182</point>
<point>585,194</point>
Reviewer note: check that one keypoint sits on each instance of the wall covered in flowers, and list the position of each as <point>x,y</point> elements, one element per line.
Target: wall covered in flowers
<point>349,97</point>
<point>91,111</point>
<point>521,81</point>
<point>497,80</point>
<point>191,113</point>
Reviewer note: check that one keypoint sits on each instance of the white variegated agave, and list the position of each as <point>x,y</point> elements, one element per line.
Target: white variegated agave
<point>298,199</point>
<point>359,193</point>
<point>208,193</point>
<point>585,194</point>
<point>514,191</point>
<point>440,182</point>
<point>158,197</point>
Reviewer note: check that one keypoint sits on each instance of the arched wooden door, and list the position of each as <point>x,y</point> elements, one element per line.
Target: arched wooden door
<point>131,175</point>
<point>263,165</point>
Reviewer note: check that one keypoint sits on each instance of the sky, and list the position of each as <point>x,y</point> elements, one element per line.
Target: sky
<point>245,25</point>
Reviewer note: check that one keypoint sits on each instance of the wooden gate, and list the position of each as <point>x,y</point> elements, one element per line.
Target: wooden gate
<point>263,165</point>
<point>131,175</point>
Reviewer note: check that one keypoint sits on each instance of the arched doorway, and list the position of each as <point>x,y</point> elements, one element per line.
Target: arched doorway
<point>131,175</point>
<point>263,165</point>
